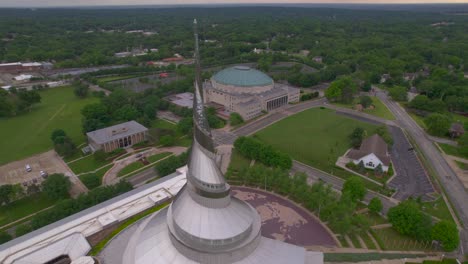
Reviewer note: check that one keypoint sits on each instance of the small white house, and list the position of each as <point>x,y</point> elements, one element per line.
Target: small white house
<point>23,77</point>
<point>372,152</point>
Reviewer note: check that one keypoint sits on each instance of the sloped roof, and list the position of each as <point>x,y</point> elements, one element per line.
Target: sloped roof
<point>374,144</point>
<point>107,134</point>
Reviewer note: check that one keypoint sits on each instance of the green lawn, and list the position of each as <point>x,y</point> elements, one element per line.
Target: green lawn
<point>367,240</point>
<point>451,150</point>
<point>437,208</point>
<point>100,173</point>
<point>238,161</point>
<point>138,164</point>
<point>355,240</point>
<point>157,157</point>
<point>392,240</point>
<point>375,219</point>
<point>24,207</point>
<point>29,133</point>
<point>366,257</point>
<point>462,165</point>
<point>343,241</point>
<point>86,164</point>
<point>161,123</point>
<point>380,109</point>
<point>130,168</point>
<point>316,137</point>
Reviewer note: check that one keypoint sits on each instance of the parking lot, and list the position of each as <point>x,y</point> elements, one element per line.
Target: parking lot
<point>15,172</point>
<point>412,179</point>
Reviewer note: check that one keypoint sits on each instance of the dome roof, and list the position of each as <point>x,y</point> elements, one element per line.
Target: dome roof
<point>242,76</point>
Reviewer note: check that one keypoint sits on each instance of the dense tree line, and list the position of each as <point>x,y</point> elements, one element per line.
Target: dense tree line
<point>68,207</point>
<point>337,211</point>
<point>169,165</point>
<point>408,219</point>
<point>259,151</point>
<point>63,144</point>
<point>17,101</point>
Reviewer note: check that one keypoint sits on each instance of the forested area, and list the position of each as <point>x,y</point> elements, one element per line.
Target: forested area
<point>428,46</point>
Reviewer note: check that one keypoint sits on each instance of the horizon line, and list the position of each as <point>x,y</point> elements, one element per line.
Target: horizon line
<point>238,4</point>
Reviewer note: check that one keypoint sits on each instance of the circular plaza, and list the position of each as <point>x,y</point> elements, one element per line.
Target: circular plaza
<point>284,220</point>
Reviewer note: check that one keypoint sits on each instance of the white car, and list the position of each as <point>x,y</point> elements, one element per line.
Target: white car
<point>44,174</point>
<point>28,168</point>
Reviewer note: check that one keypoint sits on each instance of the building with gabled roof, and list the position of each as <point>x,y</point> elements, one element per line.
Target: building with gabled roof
<point>372,152</point>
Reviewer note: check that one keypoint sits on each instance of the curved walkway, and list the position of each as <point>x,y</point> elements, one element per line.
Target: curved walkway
<point>111,175</point>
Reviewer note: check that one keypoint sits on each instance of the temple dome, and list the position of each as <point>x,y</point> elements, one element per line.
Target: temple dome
<point>242,76</point>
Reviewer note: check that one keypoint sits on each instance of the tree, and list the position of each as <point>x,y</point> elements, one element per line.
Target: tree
<point>80,89</point>
<point>375,205</point>
<point>56,186</point>
<point>4,237</point>
<point>64,146</point>
<point>235,119</point>
<point>447,234</point>
<point>342,90</point>
<point>365,101</point>
<point>463,144</point>
<point>91,180</point>
<point>356,137</point>
<point>57,133</point>
<point>5,194</point>
<point>437,124</point>
<point>166,140</point>
<point>23,229</point>
<point>409,220</point>
<point>354,186</point>
<point>185,125</point>
<point>398,93</point>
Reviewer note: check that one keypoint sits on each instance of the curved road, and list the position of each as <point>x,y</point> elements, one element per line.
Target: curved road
<point>447,178</point>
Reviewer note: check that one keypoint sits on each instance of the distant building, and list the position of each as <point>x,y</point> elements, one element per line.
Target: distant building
<point>182,99</point>
<point>118,136</point>
<point>23,77</point>
<point>384,77</point>
<point>318,59</point>
<point>247,91</point>
<point>372,152</point>
<point>456,130</point>
<point>21,67</point>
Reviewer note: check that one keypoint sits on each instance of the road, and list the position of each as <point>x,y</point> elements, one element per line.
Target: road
<point>337,183</point>
<point>447,178</point>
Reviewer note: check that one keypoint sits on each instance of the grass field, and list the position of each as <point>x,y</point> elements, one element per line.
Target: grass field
<point>380,109</point>
<point>130,168</point>
<point>24,207</point>
<point>392,240</point>
<point>316,136</point>
<point>451,150</point>
<point>86,164</point>
<point>462,165</point>
<point>100,173</point>
<point>138,165</point>
<point>29,133</point>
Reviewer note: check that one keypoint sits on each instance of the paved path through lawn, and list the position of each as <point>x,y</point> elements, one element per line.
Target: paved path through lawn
<point>111,175</point>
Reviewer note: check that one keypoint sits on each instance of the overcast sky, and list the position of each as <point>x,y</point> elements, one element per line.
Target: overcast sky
<point>48,3</point>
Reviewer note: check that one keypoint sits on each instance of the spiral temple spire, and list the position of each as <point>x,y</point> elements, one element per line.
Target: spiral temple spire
<point>204,223</point>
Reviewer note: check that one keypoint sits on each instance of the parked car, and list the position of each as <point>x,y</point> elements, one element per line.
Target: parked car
<point>28,168</point>
<point>44,174</point>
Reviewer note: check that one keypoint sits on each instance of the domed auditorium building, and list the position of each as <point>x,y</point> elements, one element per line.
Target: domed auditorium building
<point>247,91</point>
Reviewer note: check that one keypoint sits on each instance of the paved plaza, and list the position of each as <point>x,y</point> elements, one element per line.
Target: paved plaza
<point>285,221</point>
